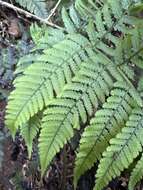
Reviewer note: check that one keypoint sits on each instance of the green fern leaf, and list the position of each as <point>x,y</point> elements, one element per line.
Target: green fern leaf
<point>38,7</point>
<point>136,174</point>
<point>45,37</point>
<point>75,17</point>
<point>87,9</point>
<point>29,132</point>
<point>69,25</point>
<point>136,10</point>
<point>76,73</point>
<point>107,123</point>
<point>72,20</point>
<point>25,62</point>
<point>50,74</point>
<point>57,66</point>
<point>39,34</point>
<point>81,97</point>
<point>119,155</point>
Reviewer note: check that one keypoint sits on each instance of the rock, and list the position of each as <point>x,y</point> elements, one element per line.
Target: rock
<point>14,28</point>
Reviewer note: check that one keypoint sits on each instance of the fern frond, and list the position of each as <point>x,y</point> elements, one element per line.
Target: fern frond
<point>43,38</point>
<point>29,132</point>
<point>136,174</point>
<point>106,123</point>
<point>136,36</point>
<point>25,62</point>
<point>120,154</point>
<point>87,9</point>
<point>81,98</point>
<point>103,13</point>
<point>38,7</point>
<point>57,66</point>
<point>92,62</point>
<point>49,75</point>
<point>71,20</point>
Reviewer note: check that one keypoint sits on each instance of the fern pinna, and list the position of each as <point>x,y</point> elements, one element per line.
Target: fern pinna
<point>86,74</point>
<point>38,7</point>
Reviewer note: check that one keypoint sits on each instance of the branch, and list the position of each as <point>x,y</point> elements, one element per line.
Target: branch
<point>28,14</point>
<point>54,10</point>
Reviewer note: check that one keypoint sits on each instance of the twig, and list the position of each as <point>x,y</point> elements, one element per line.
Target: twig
<point>4,15</point>
<point>11,2</point>
<point>28,14</point>
<point>53,10</point>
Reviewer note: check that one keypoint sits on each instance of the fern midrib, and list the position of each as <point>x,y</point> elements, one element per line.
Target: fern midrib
<point>111,28</point>
<point>48,76</point>
<point>58,67</point>
<point>57,131</point>
<point>33,94</point>
<point>135,53</point>
<point>102,132</point>
<point>73,106</point>
<point>90,12</point>
<point>52,73</point>
<point>117,153</point>
<point>29,134</point>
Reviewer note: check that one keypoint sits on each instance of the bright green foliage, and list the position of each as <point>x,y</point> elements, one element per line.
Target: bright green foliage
<point>38,7</point>
<point>107,122</point>
<point>43,38</point>
<point>71,20</point>
<point>86,73</point>
<point>79,98</point>
<point>136,174</point>
<point>29,132</point>
<point>89,7</point>
<point>56,67</point>
<point>120,154</point>
<point>45,77</point>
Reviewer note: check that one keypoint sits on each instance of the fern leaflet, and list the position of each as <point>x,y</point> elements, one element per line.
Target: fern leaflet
<point>136,174</point>
<point>119,155</point>
<point>45,78</point>
<point>107,122</point>
<point>79,97</point>
<point>29,132</point>
<point>38,7</point>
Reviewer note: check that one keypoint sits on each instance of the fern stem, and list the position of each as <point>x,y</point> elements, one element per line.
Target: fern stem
<point>53,10</point>
<point>136,53</point>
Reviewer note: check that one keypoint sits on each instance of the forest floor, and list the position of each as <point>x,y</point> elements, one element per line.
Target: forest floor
<point>17,171</point>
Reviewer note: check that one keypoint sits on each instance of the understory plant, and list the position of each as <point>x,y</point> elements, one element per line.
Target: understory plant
<point>88,74</point>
